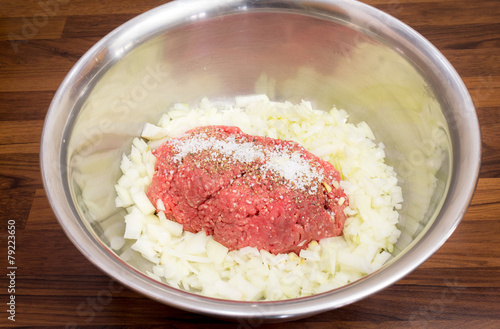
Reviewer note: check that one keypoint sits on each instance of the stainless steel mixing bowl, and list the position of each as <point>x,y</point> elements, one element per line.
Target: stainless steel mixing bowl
<point>329,52</point>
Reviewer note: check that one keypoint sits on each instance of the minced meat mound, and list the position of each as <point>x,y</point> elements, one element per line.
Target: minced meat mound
<point>248,190</point>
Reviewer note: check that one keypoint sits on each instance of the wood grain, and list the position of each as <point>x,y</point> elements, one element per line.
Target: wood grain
<point>56,286</point>
<point>14,28</point>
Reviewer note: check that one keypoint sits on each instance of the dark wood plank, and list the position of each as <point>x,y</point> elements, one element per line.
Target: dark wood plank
<point>484,90</point>
<point>31,8</point>
<point>15,204</point>
<point>26,131</point>
<point>469,62</point>
<point>490,130</point>
<point>35,53</point>
<point>19,170</point>
<point>33,77</point>
<point>469,36</point>
<point>80,26</point>
<point>441,13</point>
<point>40,27</point>
<point>17,106</point>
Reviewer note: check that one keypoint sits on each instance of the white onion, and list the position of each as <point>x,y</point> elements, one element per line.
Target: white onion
<point>198,263</point>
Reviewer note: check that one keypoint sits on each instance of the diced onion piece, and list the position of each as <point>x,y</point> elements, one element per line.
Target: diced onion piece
<point>140,144</point>
<point>160,205</point>
<point>142,202</point>
<point>307,254</point>
<point>134,223</point>
<point>125,163</point>
<point>216,252</point>
<point>124,195</point>
<point>157,233</point>
<point>273,289</point>
<point>152,132</point>
<point>146,248</point>
<point>135,155</point>
<point>228,291</point>
<point>116,242</point>
<point>380,259</point>
<point>172,227</point>
<point>349,261</point>
<point>243,101</point>
<point>249,291</point>
<point>194,244</point>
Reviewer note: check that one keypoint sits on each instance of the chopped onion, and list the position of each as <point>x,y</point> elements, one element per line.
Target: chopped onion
<point>198,263</point>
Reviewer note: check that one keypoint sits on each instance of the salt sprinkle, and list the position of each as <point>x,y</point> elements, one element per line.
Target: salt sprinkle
<point>288,164</point>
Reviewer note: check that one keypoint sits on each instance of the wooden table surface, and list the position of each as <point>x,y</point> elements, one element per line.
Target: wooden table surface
<point>55,286</point>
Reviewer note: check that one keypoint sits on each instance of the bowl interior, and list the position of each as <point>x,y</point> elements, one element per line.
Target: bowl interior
<point>344,54</point>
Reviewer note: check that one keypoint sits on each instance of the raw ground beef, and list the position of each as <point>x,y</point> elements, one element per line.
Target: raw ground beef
<point>248,190</point>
